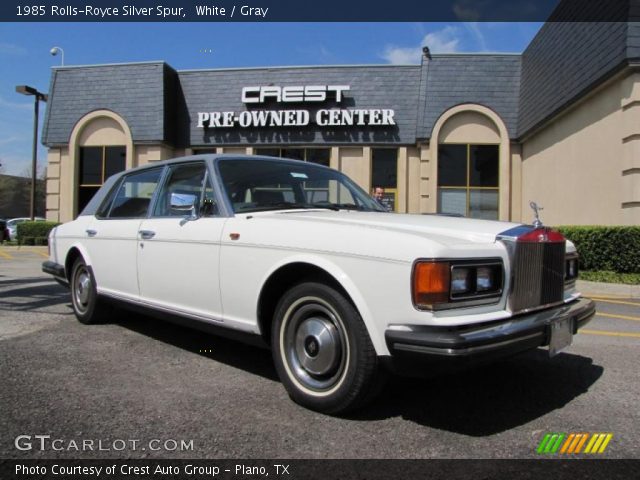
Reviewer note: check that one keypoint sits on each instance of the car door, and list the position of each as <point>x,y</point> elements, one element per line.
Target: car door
<point>112,235</point>
<point>179,245</point>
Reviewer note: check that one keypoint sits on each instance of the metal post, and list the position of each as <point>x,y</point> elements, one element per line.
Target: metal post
<point>34,160</point>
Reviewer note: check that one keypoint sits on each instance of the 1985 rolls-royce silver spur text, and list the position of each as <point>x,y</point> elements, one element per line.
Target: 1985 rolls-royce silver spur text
<point>298,257</point>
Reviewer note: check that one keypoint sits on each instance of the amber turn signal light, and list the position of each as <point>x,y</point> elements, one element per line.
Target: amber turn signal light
<point>431,283</point>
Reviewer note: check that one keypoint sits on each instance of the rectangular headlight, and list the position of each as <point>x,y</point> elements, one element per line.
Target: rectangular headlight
<point>461,280</point>
<point>486,279</point>
<point>447,284</point>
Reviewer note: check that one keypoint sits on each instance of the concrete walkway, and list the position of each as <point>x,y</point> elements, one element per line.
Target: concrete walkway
<point>597,289</point>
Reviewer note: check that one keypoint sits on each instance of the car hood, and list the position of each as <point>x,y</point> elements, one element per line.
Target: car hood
<point>437,228</point>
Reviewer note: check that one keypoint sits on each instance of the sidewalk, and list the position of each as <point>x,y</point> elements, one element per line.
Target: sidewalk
<point>597,289</point>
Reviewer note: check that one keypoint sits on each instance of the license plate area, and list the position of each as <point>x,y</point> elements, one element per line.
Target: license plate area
<point>561,335</point>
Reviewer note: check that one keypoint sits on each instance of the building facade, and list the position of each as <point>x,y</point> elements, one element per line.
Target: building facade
<point>478,135</point>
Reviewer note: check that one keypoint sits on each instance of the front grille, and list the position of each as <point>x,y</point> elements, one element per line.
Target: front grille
<point>537,275</point>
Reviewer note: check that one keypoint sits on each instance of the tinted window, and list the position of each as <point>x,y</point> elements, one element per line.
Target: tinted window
<point>188,181</point>
<point>254,185</point>
<point>114,160</point>
<point>483,166</point>
<point>384,167</point>
<point>91,166</point>
<point>452,165</point>
<point>134,195</point>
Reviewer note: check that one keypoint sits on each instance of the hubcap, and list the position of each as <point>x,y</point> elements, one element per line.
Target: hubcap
<point>317,345</point>
<point>314,344</point>
<point>82,288</point>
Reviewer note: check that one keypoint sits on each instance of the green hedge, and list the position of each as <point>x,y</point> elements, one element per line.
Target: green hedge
<point>34,233</point>
<point>615,249</point>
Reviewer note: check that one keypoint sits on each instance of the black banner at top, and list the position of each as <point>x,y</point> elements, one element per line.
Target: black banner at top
<point>321,11</point>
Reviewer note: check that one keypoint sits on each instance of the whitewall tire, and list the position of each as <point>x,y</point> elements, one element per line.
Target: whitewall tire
<point>322,350</point>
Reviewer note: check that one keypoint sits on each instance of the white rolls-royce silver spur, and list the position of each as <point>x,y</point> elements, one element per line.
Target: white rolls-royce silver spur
<point>297,257</point>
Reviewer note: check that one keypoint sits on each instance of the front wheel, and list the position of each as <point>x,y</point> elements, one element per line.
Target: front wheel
<point>86,305</point>
<point>322,350</point>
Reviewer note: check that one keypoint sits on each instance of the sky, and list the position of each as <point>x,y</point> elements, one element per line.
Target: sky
<point>25,57</point>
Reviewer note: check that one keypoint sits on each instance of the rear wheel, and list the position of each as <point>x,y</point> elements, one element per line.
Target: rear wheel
<point>86,305</point>
<point>322,350</point>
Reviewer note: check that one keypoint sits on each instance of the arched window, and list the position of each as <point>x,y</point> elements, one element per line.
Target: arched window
<point>472,153</point>
<point>102,145</point>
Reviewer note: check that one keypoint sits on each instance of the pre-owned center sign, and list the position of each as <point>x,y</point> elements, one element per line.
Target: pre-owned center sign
<point>296,117</point>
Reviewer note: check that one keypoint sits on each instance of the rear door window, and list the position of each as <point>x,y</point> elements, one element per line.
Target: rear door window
<point>134,194</point>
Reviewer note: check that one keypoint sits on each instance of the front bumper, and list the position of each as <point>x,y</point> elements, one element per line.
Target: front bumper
<point>55,269</point>
<point>465,345</point>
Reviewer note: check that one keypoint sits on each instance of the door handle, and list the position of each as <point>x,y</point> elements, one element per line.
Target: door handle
<point>91,233</point>
<point>146,234</point>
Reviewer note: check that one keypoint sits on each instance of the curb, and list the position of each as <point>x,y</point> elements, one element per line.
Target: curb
<point>597,289</point>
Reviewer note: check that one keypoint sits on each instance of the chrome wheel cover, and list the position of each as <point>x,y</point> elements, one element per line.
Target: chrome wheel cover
<point>314,345</point>
<point>81,289</point>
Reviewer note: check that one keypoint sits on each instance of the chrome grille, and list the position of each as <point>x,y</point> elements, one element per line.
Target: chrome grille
<point>537,275</point>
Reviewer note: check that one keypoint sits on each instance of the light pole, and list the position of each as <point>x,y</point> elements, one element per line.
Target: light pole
<point>39,96</point>
<point>57,50</point>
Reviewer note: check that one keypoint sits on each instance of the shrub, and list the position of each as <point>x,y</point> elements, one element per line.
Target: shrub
<point>615,249</point>
<point>34,233</point>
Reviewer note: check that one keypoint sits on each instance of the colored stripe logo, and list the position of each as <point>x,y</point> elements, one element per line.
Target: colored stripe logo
<point>574,443</point>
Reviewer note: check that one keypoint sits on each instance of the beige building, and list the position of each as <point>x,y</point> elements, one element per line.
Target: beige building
<point>469,134</point>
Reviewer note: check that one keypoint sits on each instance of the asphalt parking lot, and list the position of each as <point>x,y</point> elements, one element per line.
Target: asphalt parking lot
<point>138,378</point>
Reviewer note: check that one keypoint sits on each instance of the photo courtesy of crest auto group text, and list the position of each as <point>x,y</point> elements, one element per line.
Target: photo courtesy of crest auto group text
<point>320,243</point>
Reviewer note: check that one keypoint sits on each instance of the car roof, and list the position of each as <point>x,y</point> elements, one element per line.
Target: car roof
<point>216,157</point>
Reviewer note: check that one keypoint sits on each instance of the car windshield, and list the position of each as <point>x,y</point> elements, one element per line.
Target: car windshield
<point>262,184</point>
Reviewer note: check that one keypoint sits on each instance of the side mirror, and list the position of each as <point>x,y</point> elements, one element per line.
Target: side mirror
<point>184,203</point>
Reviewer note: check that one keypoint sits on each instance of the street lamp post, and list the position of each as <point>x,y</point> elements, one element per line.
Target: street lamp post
<point>55,50</point>
<point>39,96</point>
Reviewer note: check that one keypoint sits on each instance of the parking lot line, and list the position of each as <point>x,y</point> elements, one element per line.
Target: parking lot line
<point>5,255</point>
<point>622,317</point>
<point>619,302</point>
<point>610,334</point>
<point>42,254</point>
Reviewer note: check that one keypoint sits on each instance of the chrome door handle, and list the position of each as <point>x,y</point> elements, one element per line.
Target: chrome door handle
<point>91,233</point>
<point>146,234</point>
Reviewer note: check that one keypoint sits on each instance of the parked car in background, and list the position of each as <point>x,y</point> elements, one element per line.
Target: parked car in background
<point>4,232</point>
<point>296,256</point>
<point>12,225</point>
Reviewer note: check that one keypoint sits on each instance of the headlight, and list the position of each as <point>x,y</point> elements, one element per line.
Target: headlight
<point>461,280</point>
<point>456,283</point>
<point>485,279</point>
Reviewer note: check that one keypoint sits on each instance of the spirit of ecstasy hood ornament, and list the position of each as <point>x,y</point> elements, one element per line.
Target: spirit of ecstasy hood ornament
<point>537,223</point>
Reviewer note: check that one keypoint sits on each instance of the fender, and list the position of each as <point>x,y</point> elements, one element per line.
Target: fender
<point>83,251</point>
<point>375,333</point>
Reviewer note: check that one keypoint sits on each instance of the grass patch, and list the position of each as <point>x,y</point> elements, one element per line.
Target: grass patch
<point>610,277</point>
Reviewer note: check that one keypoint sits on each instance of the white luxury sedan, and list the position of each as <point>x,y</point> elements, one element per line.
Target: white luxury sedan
<point>297,257</point>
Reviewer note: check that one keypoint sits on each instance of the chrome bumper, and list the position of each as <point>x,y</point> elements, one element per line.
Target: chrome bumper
<point>487,340</point>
